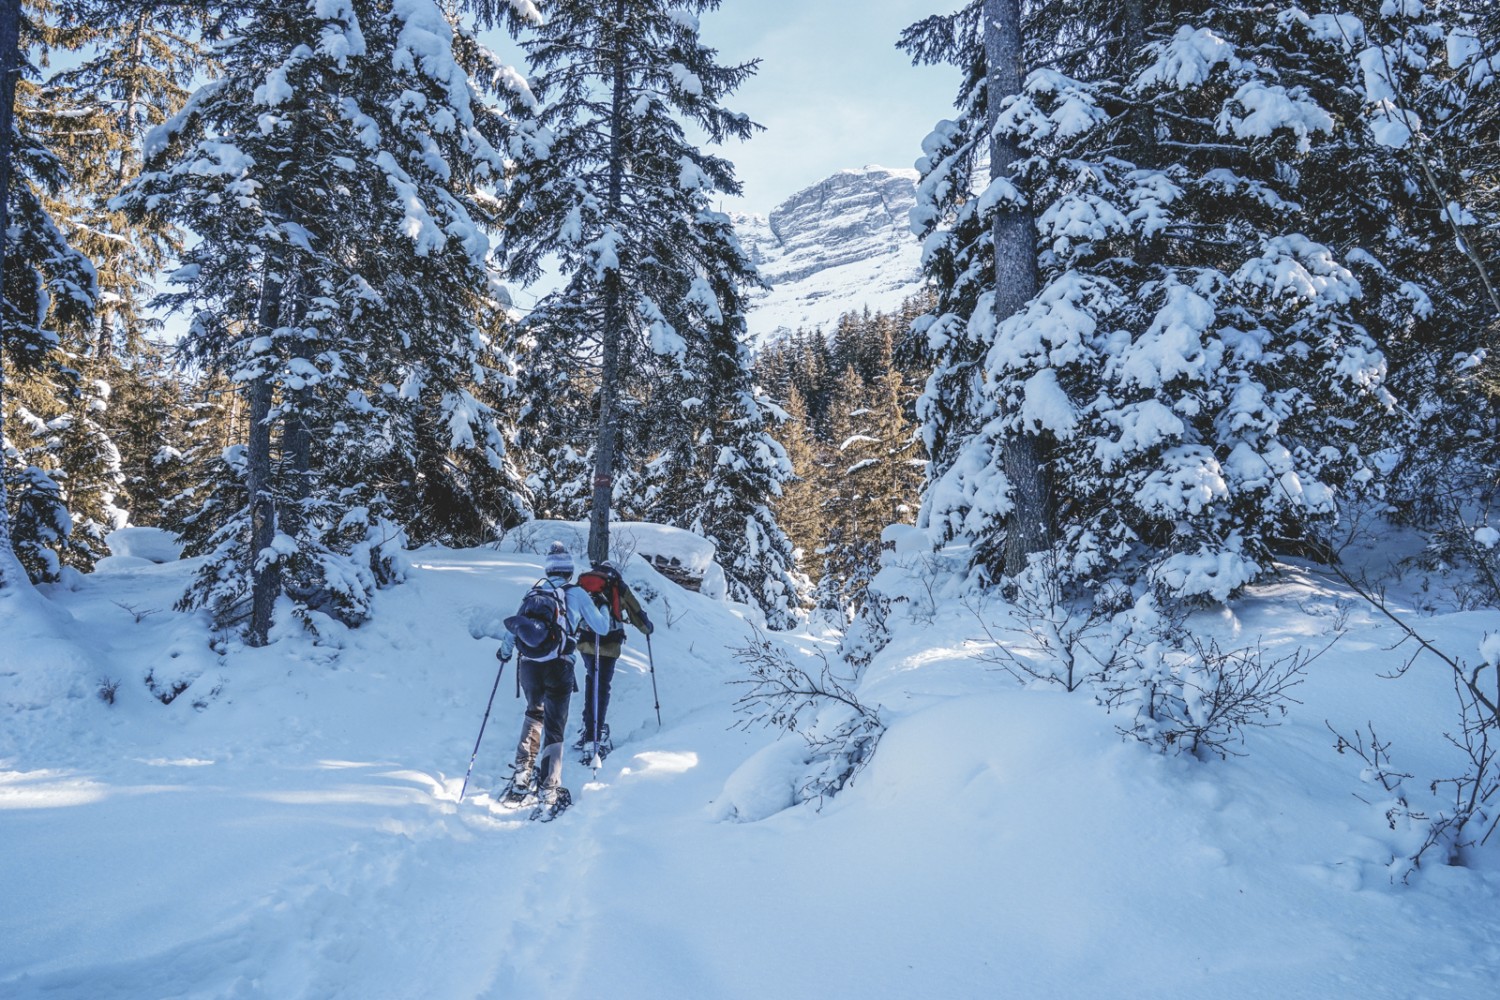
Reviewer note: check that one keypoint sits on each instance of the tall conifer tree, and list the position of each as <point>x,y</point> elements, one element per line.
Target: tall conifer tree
<point>47,288</point>
<point>1194,361</point>
<point>649,321</point>
<point>334,172</point>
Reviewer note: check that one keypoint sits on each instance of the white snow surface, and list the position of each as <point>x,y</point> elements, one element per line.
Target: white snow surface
<point>289,826</point>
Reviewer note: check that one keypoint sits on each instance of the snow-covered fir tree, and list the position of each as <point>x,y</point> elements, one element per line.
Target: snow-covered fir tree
<point>48,293</point>
<point>123,70</point>
<point>642,343</point>
<point>1193,365</point>
<point>335,172</point>
<point>1413,192</point>
<point>872,479</point>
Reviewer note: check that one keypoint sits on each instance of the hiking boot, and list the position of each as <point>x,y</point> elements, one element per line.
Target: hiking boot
<point>552,803</point>
<point>522,786</point>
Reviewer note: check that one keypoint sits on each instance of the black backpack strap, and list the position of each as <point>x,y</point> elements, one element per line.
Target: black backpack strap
<point>560,595</point>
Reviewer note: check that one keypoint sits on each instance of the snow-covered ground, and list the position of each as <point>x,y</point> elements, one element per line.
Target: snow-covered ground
<point>289,826</point>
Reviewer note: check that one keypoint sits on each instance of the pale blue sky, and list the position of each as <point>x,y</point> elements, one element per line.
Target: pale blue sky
<point>833,90</point>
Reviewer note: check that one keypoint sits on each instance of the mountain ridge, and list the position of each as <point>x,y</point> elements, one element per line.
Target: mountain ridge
<point>843,244</point>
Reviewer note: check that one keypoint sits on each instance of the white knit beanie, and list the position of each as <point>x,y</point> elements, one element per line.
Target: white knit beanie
<point>558,562</point>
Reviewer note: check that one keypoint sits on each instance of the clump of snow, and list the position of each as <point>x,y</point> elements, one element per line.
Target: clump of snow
<point>151,544</point>
<point>764,785</point>
<point>1489,649</point>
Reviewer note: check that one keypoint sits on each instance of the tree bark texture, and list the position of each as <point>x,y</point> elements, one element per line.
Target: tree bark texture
<point>1023,455</point>
<point>265,581</point>
<point>10,70</point>
<point>614,319</point>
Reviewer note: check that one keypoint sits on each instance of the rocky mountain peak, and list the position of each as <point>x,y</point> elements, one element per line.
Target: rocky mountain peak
<point>842,244</point>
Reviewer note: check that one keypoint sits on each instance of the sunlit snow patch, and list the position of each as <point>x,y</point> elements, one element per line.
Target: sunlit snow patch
<point>32,790</point>
<point>663,762</point>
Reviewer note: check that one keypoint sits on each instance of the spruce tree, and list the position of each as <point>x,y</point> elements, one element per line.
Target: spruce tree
<point>1193,362</point>
<point>644,336</point>
<point>335,174</point>
<point>798,509</point>
<point>47,289</point>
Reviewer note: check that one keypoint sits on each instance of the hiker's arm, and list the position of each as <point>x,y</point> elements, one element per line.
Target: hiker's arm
<point>636,614</point>
<point>507,645</point>
<point>581,607</point>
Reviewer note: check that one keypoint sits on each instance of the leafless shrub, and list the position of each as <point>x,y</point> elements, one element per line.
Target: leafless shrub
<point>139,614</point>
<point>1056,640</point>
<point>1189,695</point>
<point>840,731</point>
<point>1448,834</point>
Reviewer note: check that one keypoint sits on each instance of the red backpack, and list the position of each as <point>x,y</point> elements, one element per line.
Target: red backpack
<point>605,579</point>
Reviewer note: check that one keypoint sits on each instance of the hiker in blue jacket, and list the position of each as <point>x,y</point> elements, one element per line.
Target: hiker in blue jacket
<point>547,679</point>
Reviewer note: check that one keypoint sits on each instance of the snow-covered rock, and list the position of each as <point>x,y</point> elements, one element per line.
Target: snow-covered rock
<point>838,246</point>
<point>679,555</point>
<point>154,545</point>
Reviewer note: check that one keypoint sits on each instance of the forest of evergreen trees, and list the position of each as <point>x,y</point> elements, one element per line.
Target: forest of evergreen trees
<point>849,430</point>
<point>1201,279</point>
<point>332,196</point>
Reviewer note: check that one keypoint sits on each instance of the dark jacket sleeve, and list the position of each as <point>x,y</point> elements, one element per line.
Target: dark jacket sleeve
<point>634,613</point>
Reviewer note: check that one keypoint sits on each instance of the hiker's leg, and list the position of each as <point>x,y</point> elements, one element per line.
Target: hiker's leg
<point>556,693</point>
<point>534,690</point>
<point>606,678</point>
<point>589,680</point>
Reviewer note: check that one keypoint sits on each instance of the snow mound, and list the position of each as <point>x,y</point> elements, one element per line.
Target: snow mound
<point>151,544</point>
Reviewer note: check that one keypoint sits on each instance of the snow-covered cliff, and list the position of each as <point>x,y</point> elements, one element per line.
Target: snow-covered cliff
<point>840,245</point>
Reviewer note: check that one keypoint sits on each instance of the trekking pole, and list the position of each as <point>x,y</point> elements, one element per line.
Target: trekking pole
<point>656,697</point>
<point>475,754</point>
<point>598,681</point>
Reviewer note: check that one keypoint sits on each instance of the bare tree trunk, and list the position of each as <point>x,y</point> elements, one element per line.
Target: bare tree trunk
<point>11,573</point>
<point>614,321</point>
<point>265,581</point>
<point>1024,456</point>
<point>1142,121</point>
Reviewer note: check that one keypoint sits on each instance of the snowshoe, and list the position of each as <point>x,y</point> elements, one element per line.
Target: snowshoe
<point>546,811</point>
<point>586,752</point>
<point>586,747</point>
<point>520,791</point>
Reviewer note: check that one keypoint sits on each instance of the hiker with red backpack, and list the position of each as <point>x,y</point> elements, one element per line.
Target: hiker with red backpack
<point>601,650</point>
<point>542,632</point>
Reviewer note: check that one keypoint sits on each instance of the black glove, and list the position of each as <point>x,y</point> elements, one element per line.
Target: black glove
<point>646,625</point>
<point>502,655</point>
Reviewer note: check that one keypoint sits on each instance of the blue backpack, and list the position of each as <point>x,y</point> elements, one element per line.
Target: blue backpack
<point>541,625</point>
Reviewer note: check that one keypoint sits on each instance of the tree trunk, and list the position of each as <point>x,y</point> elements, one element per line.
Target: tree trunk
<point>265,581</point>
<point>1023,455</point>
<point>11,573</point>
<point>614,320</point>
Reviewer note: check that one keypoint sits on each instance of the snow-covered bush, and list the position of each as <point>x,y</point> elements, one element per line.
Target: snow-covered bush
<point>1059,636</point>
<point>841,732</point>
<point>1183,692</point>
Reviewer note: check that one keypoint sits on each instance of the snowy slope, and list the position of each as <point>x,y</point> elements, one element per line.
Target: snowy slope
<point>842,245</point>
<point>299,835</point>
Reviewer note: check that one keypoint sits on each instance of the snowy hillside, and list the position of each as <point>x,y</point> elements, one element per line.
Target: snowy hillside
<point>842,245</point>
<point>288,826</point>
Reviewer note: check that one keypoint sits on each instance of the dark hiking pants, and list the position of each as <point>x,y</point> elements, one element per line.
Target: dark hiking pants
<point>605,677</point>
<point>547,686</point>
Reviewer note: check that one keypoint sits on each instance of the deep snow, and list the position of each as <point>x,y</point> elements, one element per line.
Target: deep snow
<point>288,826</point>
